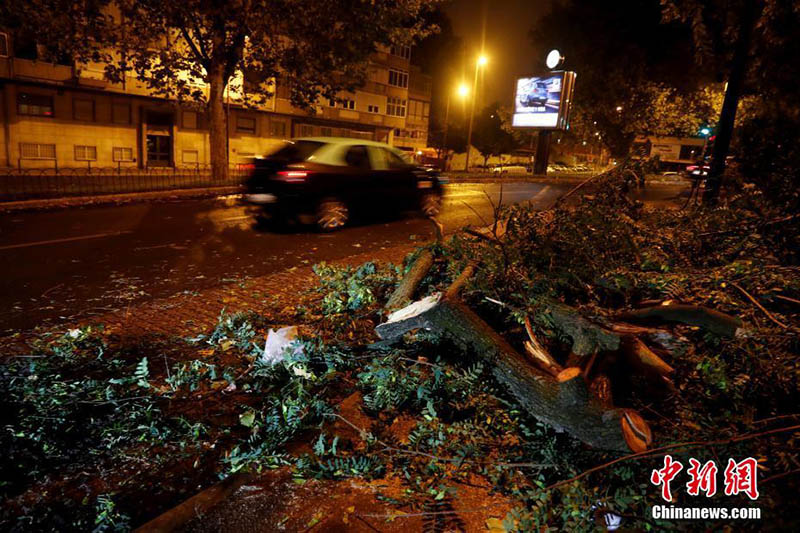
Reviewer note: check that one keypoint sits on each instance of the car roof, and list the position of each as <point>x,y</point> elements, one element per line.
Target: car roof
<point>344,141</point>
<point>334,148</point>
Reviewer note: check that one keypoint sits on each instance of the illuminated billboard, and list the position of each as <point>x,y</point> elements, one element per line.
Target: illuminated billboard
<point>544,102</point>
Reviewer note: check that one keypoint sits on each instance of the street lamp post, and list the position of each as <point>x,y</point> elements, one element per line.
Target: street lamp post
<point>463,91</point>
<point>482,60</point>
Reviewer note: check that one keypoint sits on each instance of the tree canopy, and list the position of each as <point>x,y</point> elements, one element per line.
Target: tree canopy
<point>178,49</point>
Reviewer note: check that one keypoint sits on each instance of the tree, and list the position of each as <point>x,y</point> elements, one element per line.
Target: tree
<point>191,50</point>
<point>628,63</point>
<point>492,135</point>
<point>758,39</point>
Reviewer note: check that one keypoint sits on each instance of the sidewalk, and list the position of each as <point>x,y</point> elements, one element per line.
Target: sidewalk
<point>116,199</point>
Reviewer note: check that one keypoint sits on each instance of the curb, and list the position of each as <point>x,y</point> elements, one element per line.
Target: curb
<point>116,199</point>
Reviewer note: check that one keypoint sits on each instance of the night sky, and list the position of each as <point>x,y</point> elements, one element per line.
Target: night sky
<point>507,23</point>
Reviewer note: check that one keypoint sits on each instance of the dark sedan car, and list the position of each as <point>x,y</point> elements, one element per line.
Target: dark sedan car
<point>327,179</point>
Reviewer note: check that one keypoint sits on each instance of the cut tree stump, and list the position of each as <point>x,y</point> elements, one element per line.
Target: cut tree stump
<point>563,403</point>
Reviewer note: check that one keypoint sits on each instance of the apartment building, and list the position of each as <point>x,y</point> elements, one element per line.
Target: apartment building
<point>56,115</point>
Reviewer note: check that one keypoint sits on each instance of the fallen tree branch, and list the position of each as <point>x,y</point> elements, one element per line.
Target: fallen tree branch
<point>757,304</point>
<point>563,403</point>
<point>404,292</point>
<point>693,315</point>
<point>657,451</point>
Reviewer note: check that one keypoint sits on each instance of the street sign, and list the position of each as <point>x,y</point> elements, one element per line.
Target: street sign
<point>543,102</point>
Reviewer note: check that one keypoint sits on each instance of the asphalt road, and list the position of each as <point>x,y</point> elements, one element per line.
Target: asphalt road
<point>64,265</point>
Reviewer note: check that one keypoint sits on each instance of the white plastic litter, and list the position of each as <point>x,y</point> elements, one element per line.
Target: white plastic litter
<point>278,342</point>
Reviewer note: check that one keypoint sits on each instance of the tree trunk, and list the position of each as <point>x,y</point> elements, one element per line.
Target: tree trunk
<point>563,402</point>
<point>218,125</point>
<point>727,116</point>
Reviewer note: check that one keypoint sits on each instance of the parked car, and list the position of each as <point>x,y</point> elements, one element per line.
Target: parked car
<point>510,169</point>
<point>327,179</point>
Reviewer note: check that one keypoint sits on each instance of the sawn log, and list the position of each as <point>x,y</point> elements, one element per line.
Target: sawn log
<point>564,403</point>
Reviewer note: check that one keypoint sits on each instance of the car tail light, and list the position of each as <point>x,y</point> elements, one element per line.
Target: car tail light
<point>293,176</point>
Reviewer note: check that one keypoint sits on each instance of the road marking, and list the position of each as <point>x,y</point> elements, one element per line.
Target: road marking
<point>66,239</point>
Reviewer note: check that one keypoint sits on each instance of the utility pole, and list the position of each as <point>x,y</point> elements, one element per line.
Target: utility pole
<point>478,64</point>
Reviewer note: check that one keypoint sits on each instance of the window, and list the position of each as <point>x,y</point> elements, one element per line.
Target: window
<point>345,103</point>
<point>373,109</point>
<point>83,109</point>
<point>3,44</point>
<point>191,157</point>
<point>395,107</point>
<point>40,105</point>
<point>398,78</point>
<point>357,157</point>
<point>401,51</point>
<point>326,132</point>
<point>37,151</point>
<point>120,113</point>
<point>190,120</point>
<point>120,153</point>
<point>245,124</point>
<point>277,128</point>
<point>306,130</point>
<point>393,160</point>
<point>85,153</point>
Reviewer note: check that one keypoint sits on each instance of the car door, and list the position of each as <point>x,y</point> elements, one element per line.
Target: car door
<point>356,182</point>
<point>394,177</point>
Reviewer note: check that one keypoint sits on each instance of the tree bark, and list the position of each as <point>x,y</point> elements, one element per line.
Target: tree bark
<point>404,292</point>
<point>564,402</point>
<point>727,116</point>
<point>694,315</point>
<point>218,125</point>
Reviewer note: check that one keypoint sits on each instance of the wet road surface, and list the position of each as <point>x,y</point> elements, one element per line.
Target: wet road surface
<point>76,263</point>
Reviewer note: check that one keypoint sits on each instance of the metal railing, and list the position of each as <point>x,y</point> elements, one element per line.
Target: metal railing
<point>42,183</point>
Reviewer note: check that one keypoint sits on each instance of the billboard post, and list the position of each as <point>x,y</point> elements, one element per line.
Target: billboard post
<point>543,103</point>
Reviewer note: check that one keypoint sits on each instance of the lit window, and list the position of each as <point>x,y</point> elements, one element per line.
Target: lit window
<point>395,107</point>
<point>398,78</point>
<point>401,51</point>
<point>121,153</point>
<point>245,124</point>
<point>85,153</point>
<point>83,109</point>
<point>40,105</point>
<point>37,151</point>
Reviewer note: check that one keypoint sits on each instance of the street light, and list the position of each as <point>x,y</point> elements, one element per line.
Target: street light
<point>481,62</point>
<point>619,108</point>
<point>462,91</point>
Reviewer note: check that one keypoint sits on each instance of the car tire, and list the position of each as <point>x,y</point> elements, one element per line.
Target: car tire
<point>332,214</point>
<point>430,204</point>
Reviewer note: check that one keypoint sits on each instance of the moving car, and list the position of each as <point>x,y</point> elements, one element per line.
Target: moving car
<point>327,179</point>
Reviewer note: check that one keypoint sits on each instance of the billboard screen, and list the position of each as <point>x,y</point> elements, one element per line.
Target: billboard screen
<point>543,101</point>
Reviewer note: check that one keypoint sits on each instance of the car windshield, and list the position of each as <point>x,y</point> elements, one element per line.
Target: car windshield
<point>296,151</point>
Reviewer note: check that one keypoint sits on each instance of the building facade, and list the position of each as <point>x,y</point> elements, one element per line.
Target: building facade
<point>59,116</point>
<point>673,152</point>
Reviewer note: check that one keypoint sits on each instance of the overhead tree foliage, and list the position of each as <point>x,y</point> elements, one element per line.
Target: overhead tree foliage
<point>635,74</point>
<point>493,135</point>
<point>193,49</point>
<point>753,44</point>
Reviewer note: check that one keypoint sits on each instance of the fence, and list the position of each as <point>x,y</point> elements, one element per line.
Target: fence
<point>35,183</point>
